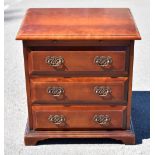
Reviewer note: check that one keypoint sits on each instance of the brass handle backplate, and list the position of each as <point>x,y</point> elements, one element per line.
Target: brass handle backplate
<point>56,119</point>
<point>103,61</point>
<point>103,120</point>
<point>103,91</point>
<point>54,61</point>
<point>55,91</point>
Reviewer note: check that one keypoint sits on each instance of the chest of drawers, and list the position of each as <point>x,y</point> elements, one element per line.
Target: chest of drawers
<point>78,69</point>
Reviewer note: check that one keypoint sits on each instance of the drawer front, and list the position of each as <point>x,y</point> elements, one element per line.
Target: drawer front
<point>78,63</point>
<point>61,118</point>
<point>79,90</point>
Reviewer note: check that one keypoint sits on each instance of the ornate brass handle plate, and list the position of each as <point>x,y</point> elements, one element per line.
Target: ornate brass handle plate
<point>103,91</point>
<point>103,120</point>
<point>55,91</point>
<point>54,61</point>
<point>103,61</point>
<point>56,119</point>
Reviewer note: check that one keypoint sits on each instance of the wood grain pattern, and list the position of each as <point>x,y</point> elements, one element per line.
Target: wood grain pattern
<point>79,90</point>
<point>78,35</point>
<point>130,84</point>
<point>37,44</point>
<point>78,24</point>
<point>79,62</point>
<point>78,117</point>
<point>28,90</point>
<point>32,137</point>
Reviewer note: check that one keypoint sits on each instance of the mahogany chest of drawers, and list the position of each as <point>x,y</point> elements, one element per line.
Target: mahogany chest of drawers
<point>78,67</point>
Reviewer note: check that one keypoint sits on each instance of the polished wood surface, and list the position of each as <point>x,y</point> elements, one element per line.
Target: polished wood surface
<point>78,36</point>
<point>27,79</point>
<point>78,24</point>
<point>80,61</point>
<point>38,44</point>
<point>79,90</point>
<point>78,117</point>
<point>125,136</point>
<point>129,105</point>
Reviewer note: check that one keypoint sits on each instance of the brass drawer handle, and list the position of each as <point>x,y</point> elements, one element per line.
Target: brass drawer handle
<point>103,91</point>
<point>103,61</point>
<point>103,120</point>
<point>57,119</point>
<point>54,61</point>
<point>55,91</point>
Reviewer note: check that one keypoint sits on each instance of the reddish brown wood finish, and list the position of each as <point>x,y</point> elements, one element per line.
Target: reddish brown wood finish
<point>78,118</point>
<point>28,90</point>
<point>78,24</point>
<point>79,90</point>
<point>37,44</point>
<point>32,137</point>
<point>79,37</point>
<point>79,62</point>
<point>130,84</point>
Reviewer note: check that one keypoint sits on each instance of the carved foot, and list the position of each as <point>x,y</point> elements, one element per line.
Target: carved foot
<point>129,140</point>
<point>30,140</point>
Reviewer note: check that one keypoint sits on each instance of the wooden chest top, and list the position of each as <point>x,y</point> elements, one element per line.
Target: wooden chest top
<point>78,24</point>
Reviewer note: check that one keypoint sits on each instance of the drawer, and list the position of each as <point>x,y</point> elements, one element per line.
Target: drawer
<point>79,90</point>
<point>78,63</point>
<point>76,117</point>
